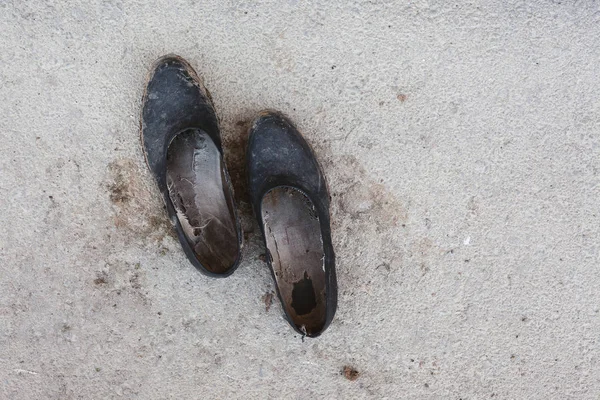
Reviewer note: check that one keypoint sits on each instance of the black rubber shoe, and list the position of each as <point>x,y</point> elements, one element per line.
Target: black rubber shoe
<point>182,144</point>
<point>291,202</point>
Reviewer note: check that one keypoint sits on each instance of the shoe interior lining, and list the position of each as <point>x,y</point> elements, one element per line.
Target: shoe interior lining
<point>202,199</point>
<point>295,245</point>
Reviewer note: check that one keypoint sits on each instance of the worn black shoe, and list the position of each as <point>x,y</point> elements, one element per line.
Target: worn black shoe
<point>182,144</point>
<point>291,202</point>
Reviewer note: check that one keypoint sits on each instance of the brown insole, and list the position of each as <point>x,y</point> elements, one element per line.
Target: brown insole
<point>294,242</point>
<point>202,199</point>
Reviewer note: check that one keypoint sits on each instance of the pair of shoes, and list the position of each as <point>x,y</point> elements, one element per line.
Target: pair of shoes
<point>182,145</point>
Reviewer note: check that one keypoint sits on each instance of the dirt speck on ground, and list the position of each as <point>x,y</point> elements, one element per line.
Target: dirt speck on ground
<point>119,188</point>
<point>134,280</point>
<point>268,300</point>
<point>350,373</point>
<point>402,97</point>
<point>161,225</point>
<point>101,279</point>
<point>119,191</point>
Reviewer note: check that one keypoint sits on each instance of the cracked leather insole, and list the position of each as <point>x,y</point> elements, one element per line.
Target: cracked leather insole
<point>202,199</point>
<point>295,246</point>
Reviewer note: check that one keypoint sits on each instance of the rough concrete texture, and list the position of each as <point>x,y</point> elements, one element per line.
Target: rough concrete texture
<point>462,147</point>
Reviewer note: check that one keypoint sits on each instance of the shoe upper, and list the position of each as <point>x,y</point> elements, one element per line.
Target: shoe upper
<point>174,100</point>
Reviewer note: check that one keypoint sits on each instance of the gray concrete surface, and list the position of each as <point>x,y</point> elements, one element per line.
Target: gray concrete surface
<point>462,146</point>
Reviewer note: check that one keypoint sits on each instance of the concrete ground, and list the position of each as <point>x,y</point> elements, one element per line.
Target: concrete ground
<point>461,142</point>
